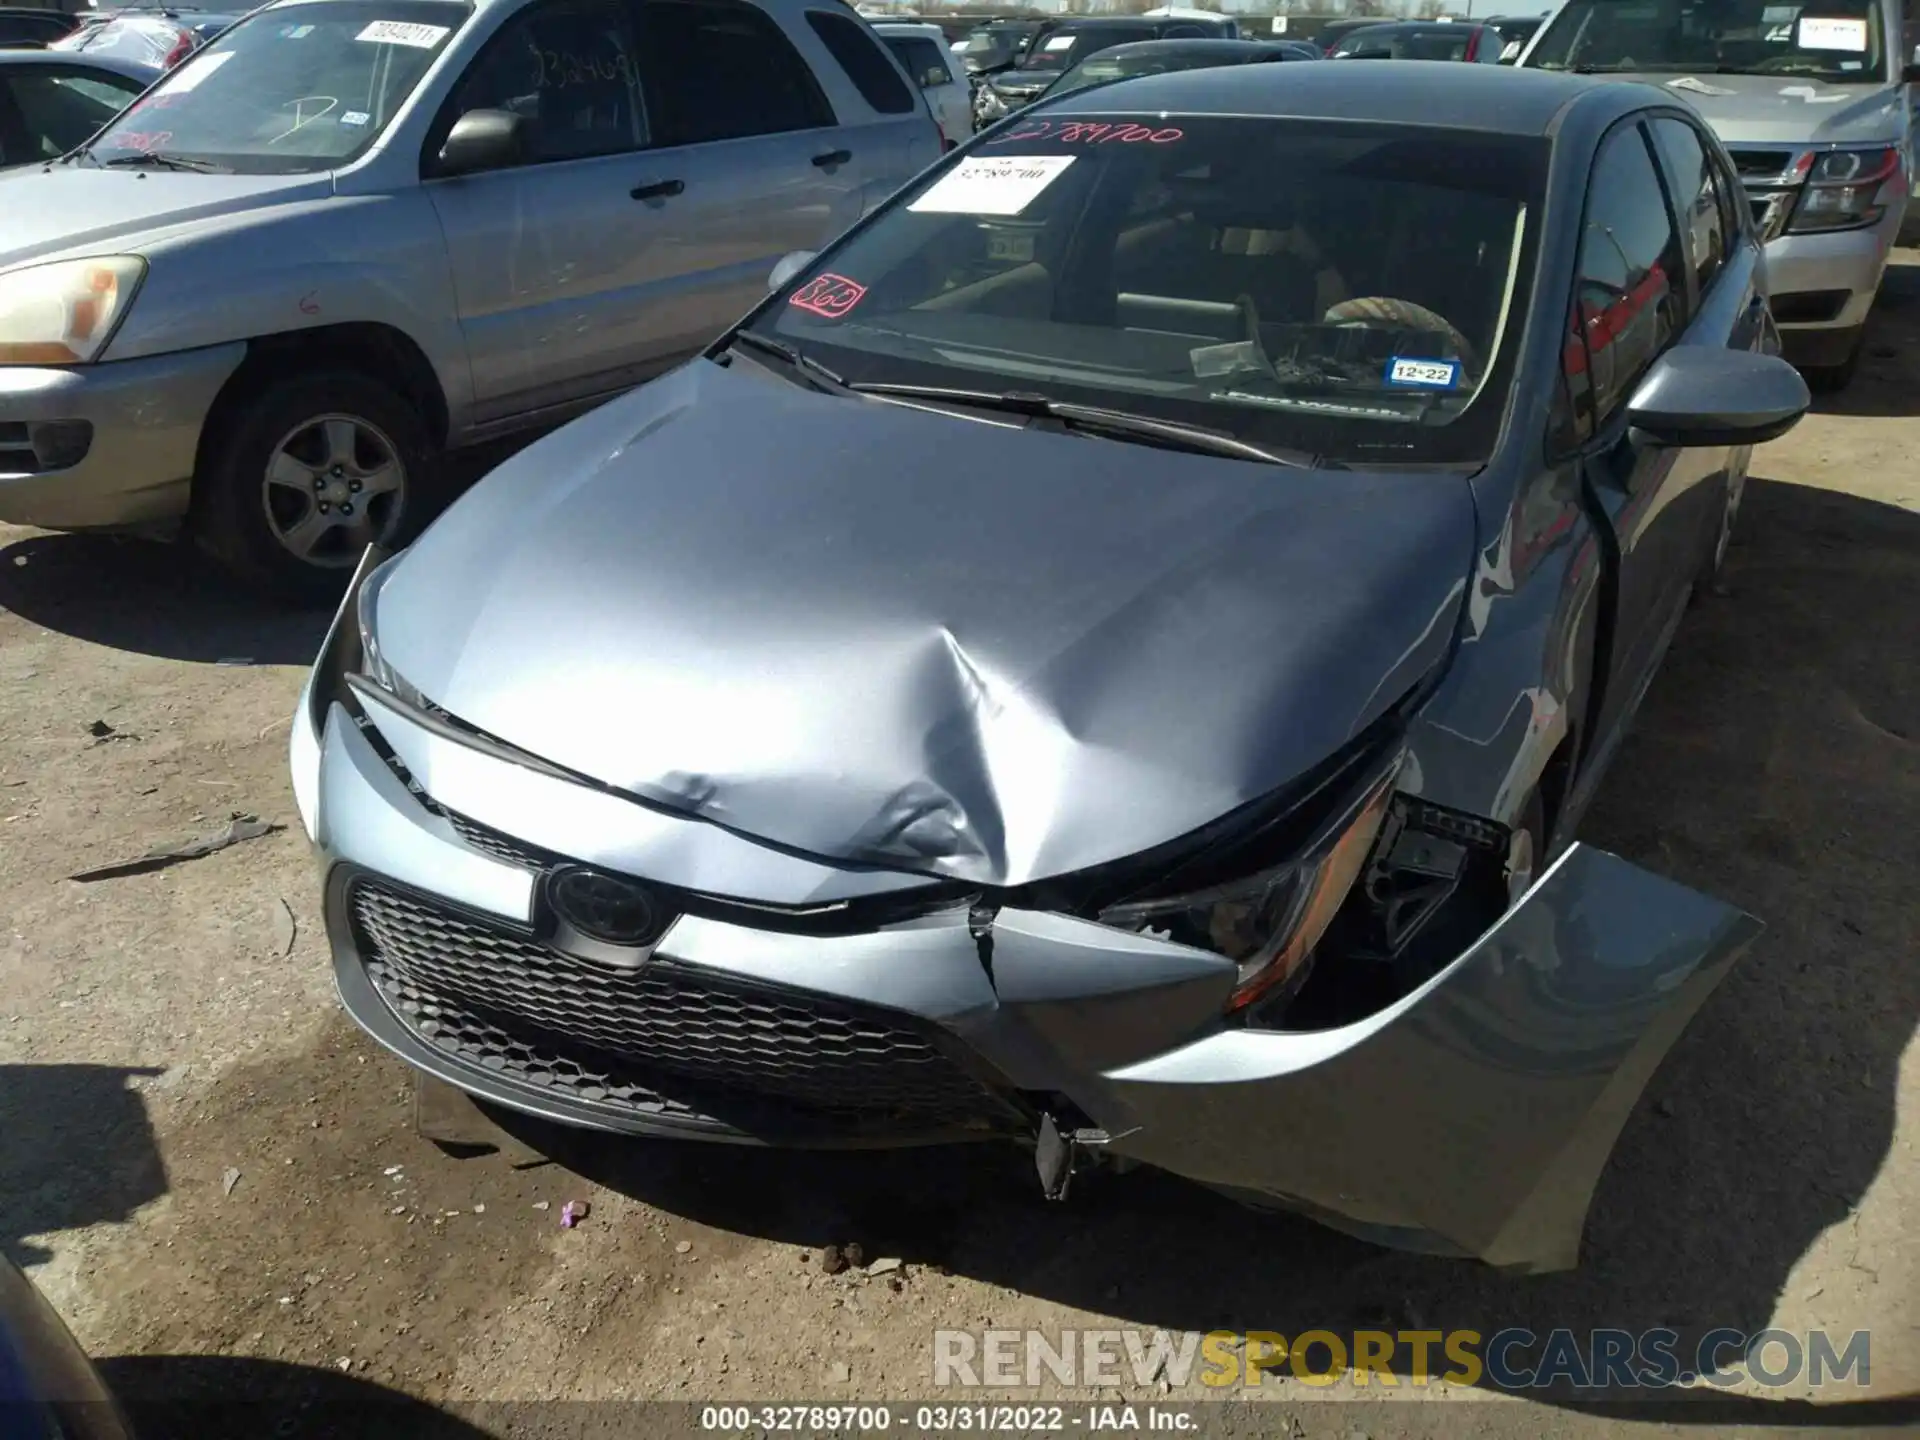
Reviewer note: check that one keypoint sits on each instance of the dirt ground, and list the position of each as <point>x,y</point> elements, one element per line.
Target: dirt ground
<point>161,1032</point>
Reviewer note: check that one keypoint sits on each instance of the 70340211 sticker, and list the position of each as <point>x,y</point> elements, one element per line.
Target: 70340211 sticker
<point>831,296</point>
<point>398,32</point>
<point>1423,374</point>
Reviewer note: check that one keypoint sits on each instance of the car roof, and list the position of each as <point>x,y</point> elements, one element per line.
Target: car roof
<point>80,60</point>
<point>909,27</point>
<point>1412,27</point>
<point>1467,97</point>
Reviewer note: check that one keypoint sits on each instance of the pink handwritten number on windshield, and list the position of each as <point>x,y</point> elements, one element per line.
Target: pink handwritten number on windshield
<point>146,142</point>
<point>1091,132</point>
<point>828,295</point>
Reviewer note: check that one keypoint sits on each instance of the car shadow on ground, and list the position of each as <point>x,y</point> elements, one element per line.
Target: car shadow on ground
<point>1888,381</point>
<point>222,1397</point>
<point>152,599</point>
<point>76,1148</point>
<point>1775,765</point>
<point>167,600</point>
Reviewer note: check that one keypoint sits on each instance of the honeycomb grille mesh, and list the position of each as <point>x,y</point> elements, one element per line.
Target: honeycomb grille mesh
<point>509,1004</point>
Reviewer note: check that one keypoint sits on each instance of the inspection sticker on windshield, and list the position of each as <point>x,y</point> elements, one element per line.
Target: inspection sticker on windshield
<point>355,117</point>
<point>999,186</point>
<point>1820,32</point>
<point>395,32</point>
<point>296,32</point>
<point>1424,374</point>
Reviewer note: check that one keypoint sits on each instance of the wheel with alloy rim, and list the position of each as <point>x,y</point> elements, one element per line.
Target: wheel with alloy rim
<point>334,486</point>
<point>305,472</point>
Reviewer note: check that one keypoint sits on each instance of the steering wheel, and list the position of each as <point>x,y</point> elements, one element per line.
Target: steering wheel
<point>1384,310</point>
<point>301,118</point>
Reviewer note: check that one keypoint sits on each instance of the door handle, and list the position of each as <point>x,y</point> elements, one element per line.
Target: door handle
<point>658,189</point>
<point>833,157</point>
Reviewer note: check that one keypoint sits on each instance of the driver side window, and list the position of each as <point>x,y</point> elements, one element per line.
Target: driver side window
<point>1629,302</point>
<point>569,70</point>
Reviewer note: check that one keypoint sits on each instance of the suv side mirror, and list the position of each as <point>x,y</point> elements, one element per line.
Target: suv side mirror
<point>1705,395</point>
<point>484,140</point>
<point>789,265</point>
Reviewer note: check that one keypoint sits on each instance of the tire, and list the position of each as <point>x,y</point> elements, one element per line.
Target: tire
<point>303,472</point>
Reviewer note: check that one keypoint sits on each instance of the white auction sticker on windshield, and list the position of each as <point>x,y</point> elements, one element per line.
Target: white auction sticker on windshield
<point>1061,42</point>
<point>395,32</point>
<point>1004,185</point>
<point>193,72</point>
<point>1821,32</point>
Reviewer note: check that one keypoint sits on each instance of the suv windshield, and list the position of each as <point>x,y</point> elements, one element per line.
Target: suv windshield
<point>296,88</point>
<point>1099,69</point>
<point>1839,41</point>
<point>1344,289</point>
<point>1055,50</point>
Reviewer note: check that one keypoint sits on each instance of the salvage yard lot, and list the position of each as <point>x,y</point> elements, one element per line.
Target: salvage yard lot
<point>160,1032</point>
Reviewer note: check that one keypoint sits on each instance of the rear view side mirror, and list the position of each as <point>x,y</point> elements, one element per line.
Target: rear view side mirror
<point>1704,395</point>
<point>483,140</point>
<point>790,265</point>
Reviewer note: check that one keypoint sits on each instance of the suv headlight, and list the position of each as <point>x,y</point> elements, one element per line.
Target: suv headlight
<point>1843,190</point>
<point>1269,923</point>
<point>65,312</point>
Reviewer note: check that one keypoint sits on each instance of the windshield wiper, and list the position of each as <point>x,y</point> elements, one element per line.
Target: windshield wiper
<point>1170,433</point>
<point>1650,67</point>
<point>161,160</point>
<point>822,377</point>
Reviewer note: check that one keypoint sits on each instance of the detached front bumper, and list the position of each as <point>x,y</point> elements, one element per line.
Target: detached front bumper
<point>95,446</point>
<point>1473,1117</point>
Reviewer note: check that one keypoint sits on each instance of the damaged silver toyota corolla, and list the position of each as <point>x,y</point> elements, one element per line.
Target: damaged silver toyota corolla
<point>1106,656</point>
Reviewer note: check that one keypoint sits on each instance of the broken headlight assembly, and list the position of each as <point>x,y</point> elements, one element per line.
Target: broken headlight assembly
<point>373,664</point>
<point>1270,922</point>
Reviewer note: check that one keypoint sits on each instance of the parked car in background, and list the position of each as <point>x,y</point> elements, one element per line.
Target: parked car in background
<point>1111,655</point>
<point>1813,104</point>
<point>24,27</point>
<point>1061,45</point>
<point>1156,57</point>
<point>158,39</point>
<point>349,235</point>
<point>1515,31</point>
<point>1421,40</point>
<point>1332,33</point>
<point>51,102</point>
<point>923,54</point>
<point>49,1389</point>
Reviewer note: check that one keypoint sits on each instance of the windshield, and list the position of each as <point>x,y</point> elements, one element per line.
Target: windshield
<point>1343,289</point>
<point>1449,43</point>
<point>1839,41</point>
<point>1060,49</point>
<point>1099,69</point>
<point>300,88</point>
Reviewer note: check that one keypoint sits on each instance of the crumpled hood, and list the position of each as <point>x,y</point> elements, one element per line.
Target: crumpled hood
<point>81,210</point>
<point>873,633</point>
<point>1788,109</point>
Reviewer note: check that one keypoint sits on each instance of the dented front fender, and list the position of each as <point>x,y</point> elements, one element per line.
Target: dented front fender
<point>1475,1115</point>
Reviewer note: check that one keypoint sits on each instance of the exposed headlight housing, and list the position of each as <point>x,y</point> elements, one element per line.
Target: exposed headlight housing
<point>1843,190</point>
<point>373,663</point>
<point>64,313</point>
<point>1269,923</point>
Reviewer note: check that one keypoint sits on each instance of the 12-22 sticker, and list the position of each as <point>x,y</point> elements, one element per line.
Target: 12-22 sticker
<point>1423,374</point>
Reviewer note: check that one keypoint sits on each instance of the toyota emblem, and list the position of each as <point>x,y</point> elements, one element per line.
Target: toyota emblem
<point>608,908</point>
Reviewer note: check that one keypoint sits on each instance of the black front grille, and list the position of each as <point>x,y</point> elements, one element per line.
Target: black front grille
<point>1761,164</point>
<point>489,841</point>
<point>660,1039</point>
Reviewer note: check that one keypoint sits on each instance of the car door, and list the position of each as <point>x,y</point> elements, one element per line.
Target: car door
<point>554,258</point>
<point>749,148</point>
<point>927,67</point>
<point>1632,302</point>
